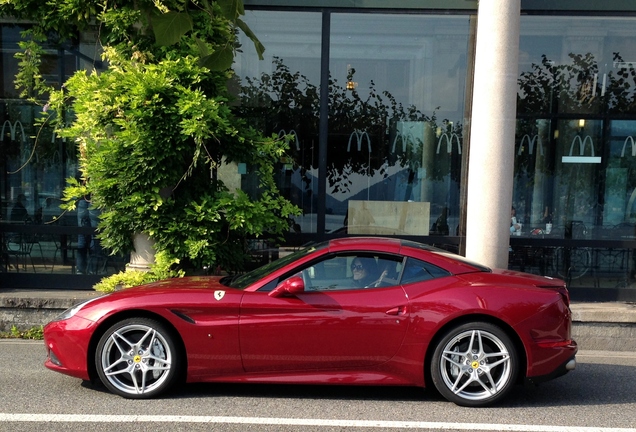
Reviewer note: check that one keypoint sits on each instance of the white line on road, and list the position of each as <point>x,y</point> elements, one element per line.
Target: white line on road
<point>89,418</point>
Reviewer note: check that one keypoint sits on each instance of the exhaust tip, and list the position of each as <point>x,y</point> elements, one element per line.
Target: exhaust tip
<point>571,365</point>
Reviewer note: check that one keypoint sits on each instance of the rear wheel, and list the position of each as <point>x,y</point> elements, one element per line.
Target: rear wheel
<point>474,364</point>
<point>137,358</point>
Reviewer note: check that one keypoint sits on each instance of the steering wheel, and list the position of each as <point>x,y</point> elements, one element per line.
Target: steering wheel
<point>378,282</point>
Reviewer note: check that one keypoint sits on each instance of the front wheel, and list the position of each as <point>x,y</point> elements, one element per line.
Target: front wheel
<point>474,364</point>
<point>137,358</point>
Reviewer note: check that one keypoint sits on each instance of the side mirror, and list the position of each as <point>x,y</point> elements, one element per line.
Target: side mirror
<point>289,287</point>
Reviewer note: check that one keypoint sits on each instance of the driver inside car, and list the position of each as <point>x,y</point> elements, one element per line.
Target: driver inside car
<point>365,273</point>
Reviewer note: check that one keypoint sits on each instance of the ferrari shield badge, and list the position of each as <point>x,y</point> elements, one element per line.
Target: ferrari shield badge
<point>218,295</point>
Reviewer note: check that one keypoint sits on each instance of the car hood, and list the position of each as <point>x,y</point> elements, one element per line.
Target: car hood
<point>166,293</point>
<point>171,287</point>
<point>191,282</point>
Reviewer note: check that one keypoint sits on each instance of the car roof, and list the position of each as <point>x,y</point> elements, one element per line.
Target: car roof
<point>349,242</point>
<point>456,264</point>
<point>390,243</point>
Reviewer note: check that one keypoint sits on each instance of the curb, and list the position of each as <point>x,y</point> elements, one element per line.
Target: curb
<point>618,312</point>
<point>604,326</point>
<point>26,309</point>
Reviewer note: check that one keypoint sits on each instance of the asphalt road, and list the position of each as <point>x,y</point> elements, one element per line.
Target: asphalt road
<point>600,395</point>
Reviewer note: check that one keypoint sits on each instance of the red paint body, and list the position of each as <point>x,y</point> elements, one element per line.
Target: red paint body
<point>379,336</point>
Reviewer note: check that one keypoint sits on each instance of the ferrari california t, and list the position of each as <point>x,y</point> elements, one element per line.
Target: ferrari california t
<point>359,311</point>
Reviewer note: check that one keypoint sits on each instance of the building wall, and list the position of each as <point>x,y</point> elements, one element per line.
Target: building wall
<point>392,158</point>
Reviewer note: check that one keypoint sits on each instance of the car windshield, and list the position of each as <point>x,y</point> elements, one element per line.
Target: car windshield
<point>245,280</point>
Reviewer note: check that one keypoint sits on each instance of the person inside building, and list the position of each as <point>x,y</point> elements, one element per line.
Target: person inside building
<point>19,212</point>
<point>87,244</point>
<point>440,226</point>
<point>515,226</point>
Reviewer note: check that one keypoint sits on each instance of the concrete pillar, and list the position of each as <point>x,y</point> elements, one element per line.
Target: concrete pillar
<point>490,167</point>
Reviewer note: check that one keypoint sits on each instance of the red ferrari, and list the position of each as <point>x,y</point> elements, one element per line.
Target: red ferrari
<point>360,311</point>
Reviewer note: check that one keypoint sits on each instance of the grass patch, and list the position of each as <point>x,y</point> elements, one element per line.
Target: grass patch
<point>35,333</point>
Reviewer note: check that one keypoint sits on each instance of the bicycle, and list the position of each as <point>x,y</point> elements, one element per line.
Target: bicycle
<point>572,263</point>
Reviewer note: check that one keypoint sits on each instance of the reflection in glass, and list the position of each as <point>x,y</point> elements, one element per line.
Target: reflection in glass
<point>577,171</point>
<point>533,173</point>
<point>396,106</point>
<point>572,72</point>
<point>279,95</point>
<point>36,235</point>
<point>620,184</point>
<point>575,166</point>
<point>396,112</point>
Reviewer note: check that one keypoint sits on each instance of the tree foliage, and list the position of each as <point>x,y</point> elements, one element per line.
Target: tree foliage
<point>154,126</point>
<point>577,86</point>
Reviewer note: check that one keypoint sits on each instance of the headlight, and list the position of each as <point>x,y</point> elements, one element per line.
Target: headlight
<point>68,313</point>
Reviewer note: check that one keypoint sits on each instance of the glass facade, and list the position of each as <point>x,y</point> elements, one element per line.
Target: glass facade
<point>396,110</point>
<point>375,105</point>
<point>396,132</point>
<point>396,107</point>
<point>42,245</point>
<point>574,183</point>
<point>280,95</point>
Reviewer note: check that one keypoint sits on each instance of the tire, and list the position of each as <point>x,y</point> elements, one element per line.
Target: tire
<point>137,358</point>
<point>474,364</point>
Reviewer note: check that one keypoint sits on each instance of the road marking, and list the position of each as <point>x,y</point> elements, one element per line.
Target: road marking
<point>89,418</point>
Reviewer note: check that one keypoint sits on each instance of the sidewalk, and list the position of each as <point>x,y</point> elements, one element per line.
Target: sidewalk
<point>596,326</point>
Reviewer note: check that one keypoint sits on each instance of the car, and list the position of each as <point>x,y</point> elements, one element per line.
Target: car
<point>425,318</point>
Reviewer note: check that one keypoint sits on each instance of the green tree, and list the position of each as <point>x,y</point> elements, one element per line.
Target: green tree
<point>153,126</point>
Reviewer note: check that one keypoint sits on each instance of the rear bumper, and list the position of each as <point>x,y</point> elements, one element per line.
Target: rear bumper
<point>565,367</point>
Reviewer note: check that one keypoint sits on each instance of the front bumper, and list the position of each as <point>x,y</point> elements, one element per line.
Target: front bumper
<point>67,346</point>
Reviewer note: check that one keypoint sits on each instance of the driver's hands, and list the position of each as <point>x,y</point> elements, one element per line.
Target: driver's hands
<point>379,281</point>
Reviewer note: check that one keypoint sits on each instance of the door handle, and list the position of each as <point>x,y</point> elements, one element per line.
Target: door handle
<point>399,310</point>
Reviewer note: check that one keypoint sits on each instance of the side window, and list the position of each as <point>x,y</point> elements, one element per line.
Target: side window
<point>355,271</point>
<point>350,271</point>
<point>328,274</point>
<point>388,270</point>
<point>269,286</point>
<point>417,271</point>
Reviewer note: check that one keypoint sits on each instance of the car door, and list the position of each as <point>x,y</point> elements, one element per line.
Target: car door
<point>330,325</point>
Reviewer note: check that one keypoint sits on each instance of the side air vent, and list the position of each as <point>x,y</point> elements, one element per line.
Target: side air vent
<point>183,316</point>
